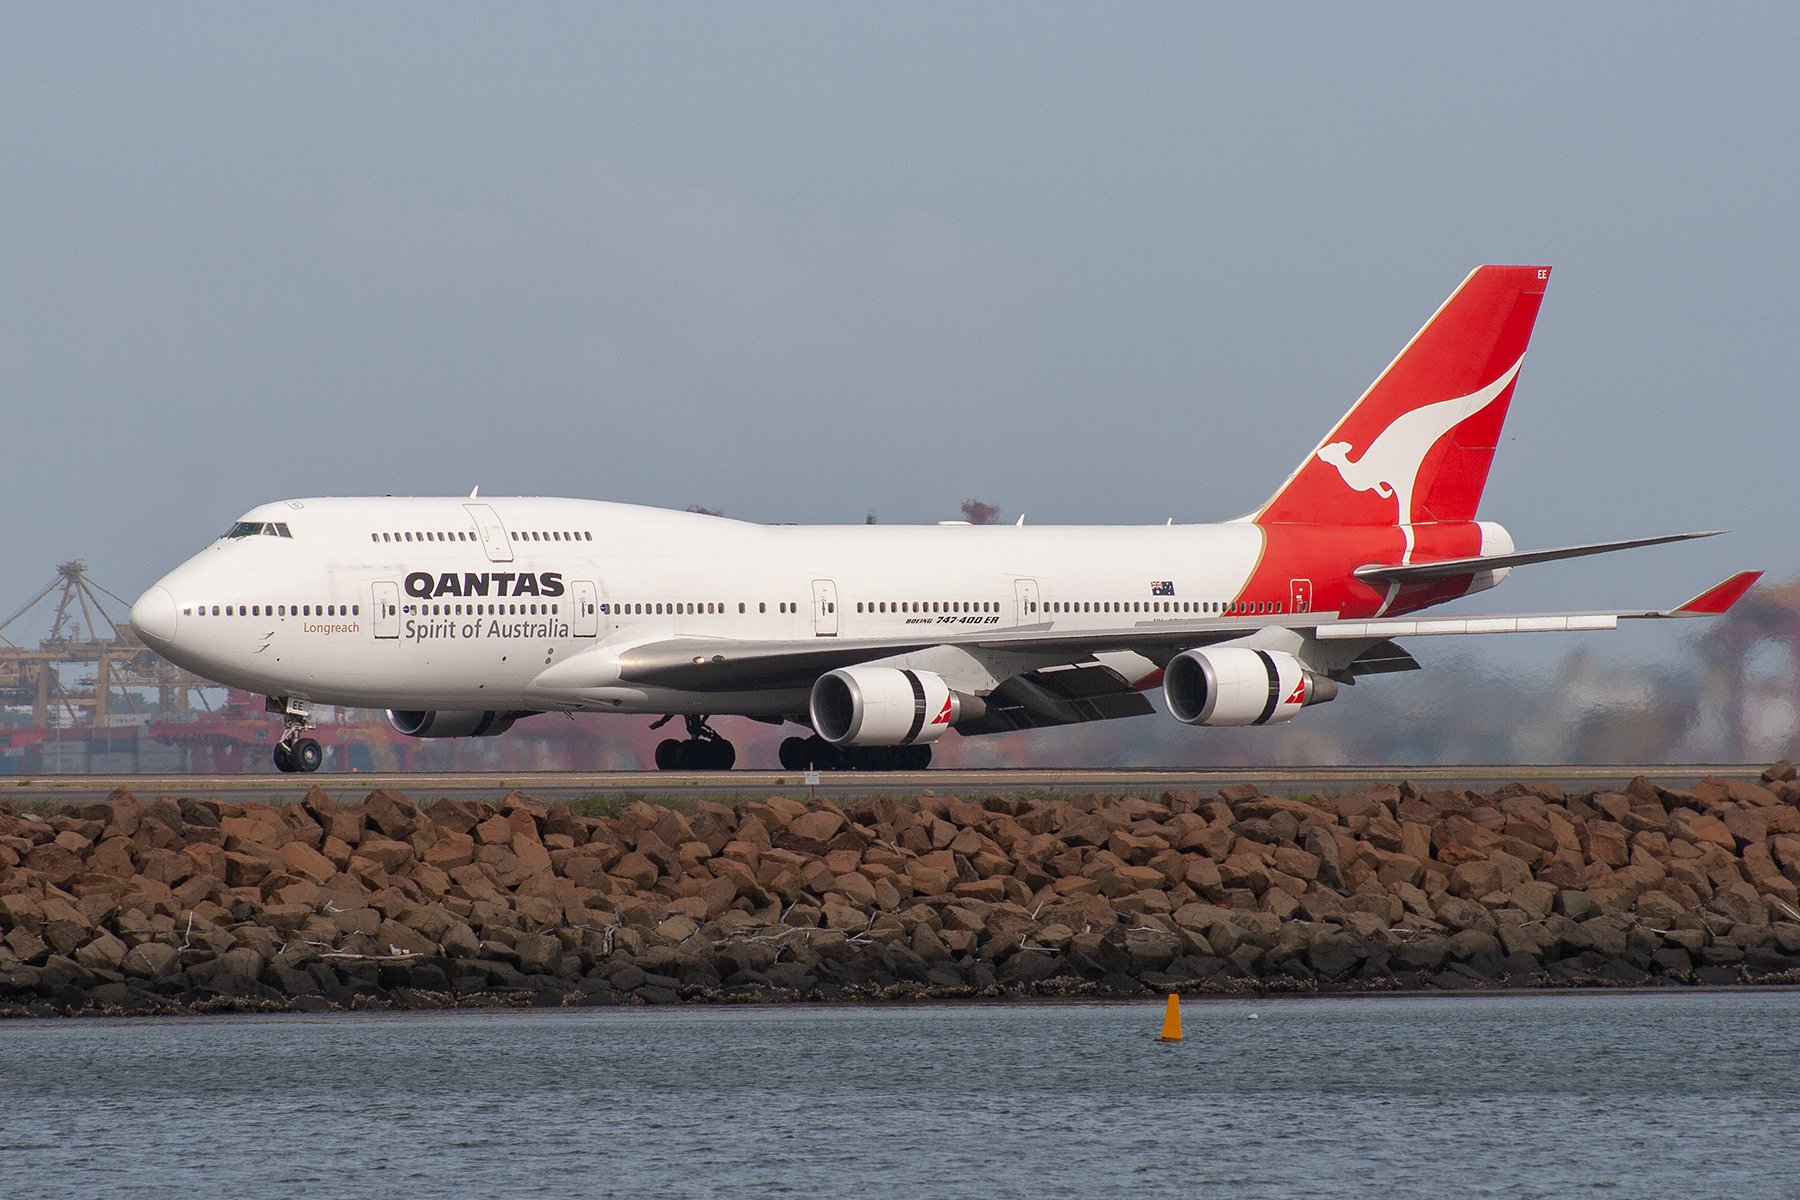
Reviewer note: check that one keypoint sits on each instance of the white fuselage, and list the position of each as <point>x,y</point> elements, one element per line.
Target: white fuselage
<point>496,624</point>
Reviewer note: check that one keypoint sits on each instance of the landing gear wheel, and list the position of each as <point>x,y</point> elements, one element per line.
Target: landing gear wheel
<point>817,754</point>
<point>306,755</point>
<point>794,753</point>
<point>710,753</point>
<point>284,762</point>
<point>914,758</point>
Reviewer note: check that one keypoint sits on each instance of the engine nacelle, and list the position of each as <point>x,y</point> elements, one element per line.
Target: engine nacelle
<point>882,706</point>
<point>451,724</point>
<point>1232,685</point>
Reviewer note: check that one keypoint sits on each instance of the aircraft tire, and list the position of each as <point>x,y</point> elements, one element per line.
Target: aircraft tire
<point>821,755</point>
<point>870,758</point>
<point>307,755</point>
<point>717,755</point>
<point>914,758</point>
<point>284,761</point>
<point>794,754</point>
<point>670,755</point>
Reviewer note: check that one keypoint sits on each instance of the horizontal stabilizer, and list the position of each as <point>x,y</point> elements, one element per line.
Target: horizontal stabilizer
<point>1447,568</point>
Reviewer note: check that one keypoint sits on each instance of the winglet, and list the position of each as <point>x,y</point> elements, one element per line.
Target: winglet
<point>1718,599</point>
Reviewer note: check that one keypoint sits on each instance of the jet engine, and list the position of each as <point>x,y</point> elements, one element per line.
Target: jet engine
<point>452,724</point>
<point>882,706</point>
<point>1233,685</point>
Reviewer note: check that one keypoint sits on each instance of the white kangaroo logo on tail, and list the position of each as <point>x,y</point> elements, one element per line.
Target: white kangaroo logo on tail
<point>1390,465</point>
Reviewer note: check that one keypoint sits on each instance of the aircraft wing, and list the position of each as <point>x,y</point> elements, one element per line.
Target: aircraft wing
<point>1710,603</point>
<point>718,665</point>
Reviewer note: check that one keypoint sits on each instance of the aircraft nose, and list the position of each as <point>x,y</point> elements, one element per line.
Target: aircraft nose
<point>153,617</point>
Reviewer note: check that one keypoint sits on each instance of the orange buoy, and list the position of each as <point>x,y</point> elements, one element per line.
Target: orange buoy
<point>1172,1019</point>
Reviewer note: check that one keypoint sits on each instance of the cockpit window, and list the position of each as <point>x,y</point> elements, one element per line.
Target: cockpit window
<point>244,529</point>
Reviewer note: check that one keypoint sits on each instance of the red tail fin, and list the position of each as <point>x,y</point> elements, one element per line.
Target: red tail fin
<point>1417,446</point>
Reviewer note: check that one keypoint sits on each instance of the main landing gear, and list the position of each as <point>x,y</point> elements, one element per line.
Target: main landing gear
<point>816,754</point>
<point>295,752</point>
<point>704,749</point>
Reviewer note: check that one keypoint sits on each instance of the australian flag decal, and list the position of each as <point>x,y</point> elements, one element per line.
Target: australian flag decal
<point>1165,587</point>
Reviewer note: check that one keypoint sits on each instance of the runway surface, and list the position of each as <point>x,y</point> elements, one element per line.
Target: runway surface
<point>746,785</point>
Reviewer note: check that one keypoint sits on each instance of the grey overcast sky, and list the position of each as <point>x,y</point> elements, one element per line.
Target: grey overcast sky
<point>802,262</point>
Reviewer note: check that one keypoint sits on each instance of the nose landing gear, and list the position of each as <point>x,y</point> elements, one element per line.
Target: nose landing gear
<point>704,749</point>
<point>295,752</point>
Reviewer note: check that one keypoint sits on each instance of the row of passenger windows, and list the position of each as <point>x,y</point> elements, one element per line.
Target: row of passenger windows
<point>484,610</point>
<point>929,606</point>
<point>1217,607</point>
<point>699,608</point>
<point>463,535</point>
<point>274,610</point>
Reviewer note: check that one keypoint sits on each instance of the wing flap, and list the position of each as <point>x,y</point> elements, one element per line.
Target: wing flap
<point>1058,696</point>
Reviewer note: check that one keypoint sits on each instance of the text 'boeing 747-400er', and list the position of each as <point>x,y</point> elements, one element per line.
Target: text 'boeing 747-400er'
<point>460,616</point>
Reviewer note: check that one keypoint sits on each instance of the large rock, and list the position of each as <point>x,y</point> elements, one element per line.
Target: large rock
<point>1332,954</point>
<point>636,870</point>
<point>1740,902</point>
<point>819,827</point>
<point>1606,843</point>
<point>1535,899</point>
<point>1245,871</point>
<point>1473,880</point>
<point>1604,937</point>
<point>1150,949</point>
<point>103,953</point>
<point>150,960</point>
<point>1323,845</point>
<point>393,814</point>
<point>539,954</point>
<point>305,862</point>
<point>56,863</point>
<point>1513,870</point>
<point>393,936</point>
<point>1299,863</point>
<point>1421,952</point>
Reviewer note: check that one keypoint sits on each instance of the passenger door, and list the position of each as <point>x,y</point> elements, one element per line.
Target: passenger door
<point>586,622</point>
<point>1300,595</point>
<point>387,609</point>
<point>825,615</point>
<point>1025,594</point>
<point>494,538</point>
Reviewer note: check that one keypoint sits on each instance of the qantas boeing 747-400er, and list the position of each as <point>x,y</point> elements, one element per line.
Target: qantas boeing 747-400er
<point>460,616</point>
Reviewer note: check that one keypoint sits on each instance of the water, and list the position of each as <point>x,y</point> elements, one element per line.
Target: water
<point>1632,1094</point>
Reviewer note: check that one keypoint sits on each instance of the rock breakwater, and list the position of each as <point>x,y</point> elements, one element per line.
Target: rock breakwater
<point>186,904</point>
